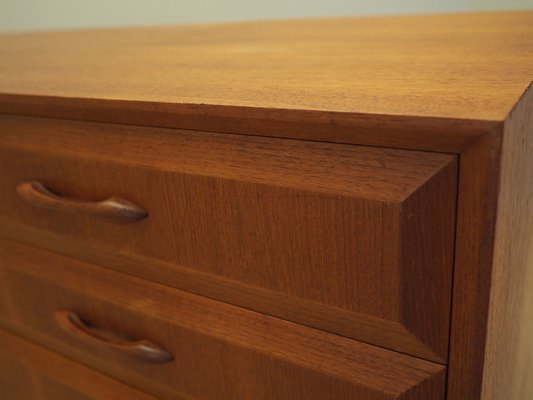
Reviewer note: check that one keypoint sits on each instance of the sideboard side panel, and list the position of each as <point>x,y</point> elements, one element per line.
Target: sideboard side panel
<point>509,347</point>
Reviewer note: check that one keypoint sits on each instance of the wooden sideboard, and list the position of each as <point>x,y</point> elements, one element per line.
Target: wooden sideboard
<point>316,209</point>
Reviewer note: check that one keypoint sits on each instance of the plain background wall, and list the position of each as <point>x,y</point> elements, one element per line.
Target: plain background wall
<point>24,15</point>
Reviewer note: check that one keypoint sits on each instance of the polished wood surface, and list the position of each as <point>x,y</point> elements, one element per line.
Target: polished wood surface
<point>114,209</point>
<point>139,349</point>
<point>31,372</point>
<point>221,351</point>
<point>490,349</point>
<point>464,66</point>
<point>457,84</point>
<point>424,82</point>
<point>313,225</point>
<point>508,364</point>
<point>471,280</point>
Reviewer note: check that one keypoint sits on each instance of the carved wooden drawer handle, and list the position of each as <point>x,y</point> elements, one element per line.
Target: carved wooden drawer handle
<point>113,209</point>
<point>142,350</point>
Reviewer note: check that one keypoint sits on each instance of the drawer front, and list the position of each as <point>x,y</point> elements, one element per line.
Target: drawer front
<point>352,240</point>
<point>31,372</point>
<point>218,351</point>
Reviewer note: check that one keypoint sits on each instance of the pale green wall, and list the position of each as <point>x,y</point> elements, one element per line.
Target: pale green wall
<point>23,15</point>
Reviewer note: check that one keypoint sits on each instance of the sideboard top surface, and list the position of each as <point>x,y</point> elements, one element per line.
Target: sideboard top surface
<point>456,66</point>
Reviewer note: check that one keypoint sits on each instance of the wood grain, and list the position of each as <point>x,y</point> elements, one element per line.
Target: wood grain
<point>508,364</point>
<point>405,132</point>
<point>222,351</point>
<point>442,83</point>
<point>366,232</point>
<point>422,82</point>
<point>30,372</point>
<point>464,66</point>
<point>139,349</point>
<point>113,209</point>
<point>471,280</point>
<point>490,345</point>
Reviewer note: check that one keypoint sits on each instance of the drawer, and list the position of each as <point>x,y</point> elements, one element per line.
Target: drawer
<point>171,343</point>
<point>352,240</point>
<point>31,372</point>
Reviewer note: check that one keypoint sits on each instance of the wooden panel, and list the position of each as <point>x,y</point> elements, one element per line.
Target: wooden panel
<point>448,88</point>
<point>508,364</point>
<point>471,66</point>
<point>490,349</point>
<point>220,351</point>
<point>394,100</point>
<point>350,239</point>
<point>471,280</point>
<point>30,372</point>
<point>407,132</point>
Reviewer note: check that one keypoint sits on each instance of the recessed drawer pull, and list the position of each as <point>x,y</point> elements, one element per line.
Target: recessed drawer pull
<point>142,350</point>
<point>113,209</point>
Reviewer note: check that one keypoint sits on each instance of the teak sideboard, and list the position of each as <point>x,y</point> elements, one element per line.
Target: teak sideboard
<point>315,209</point>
